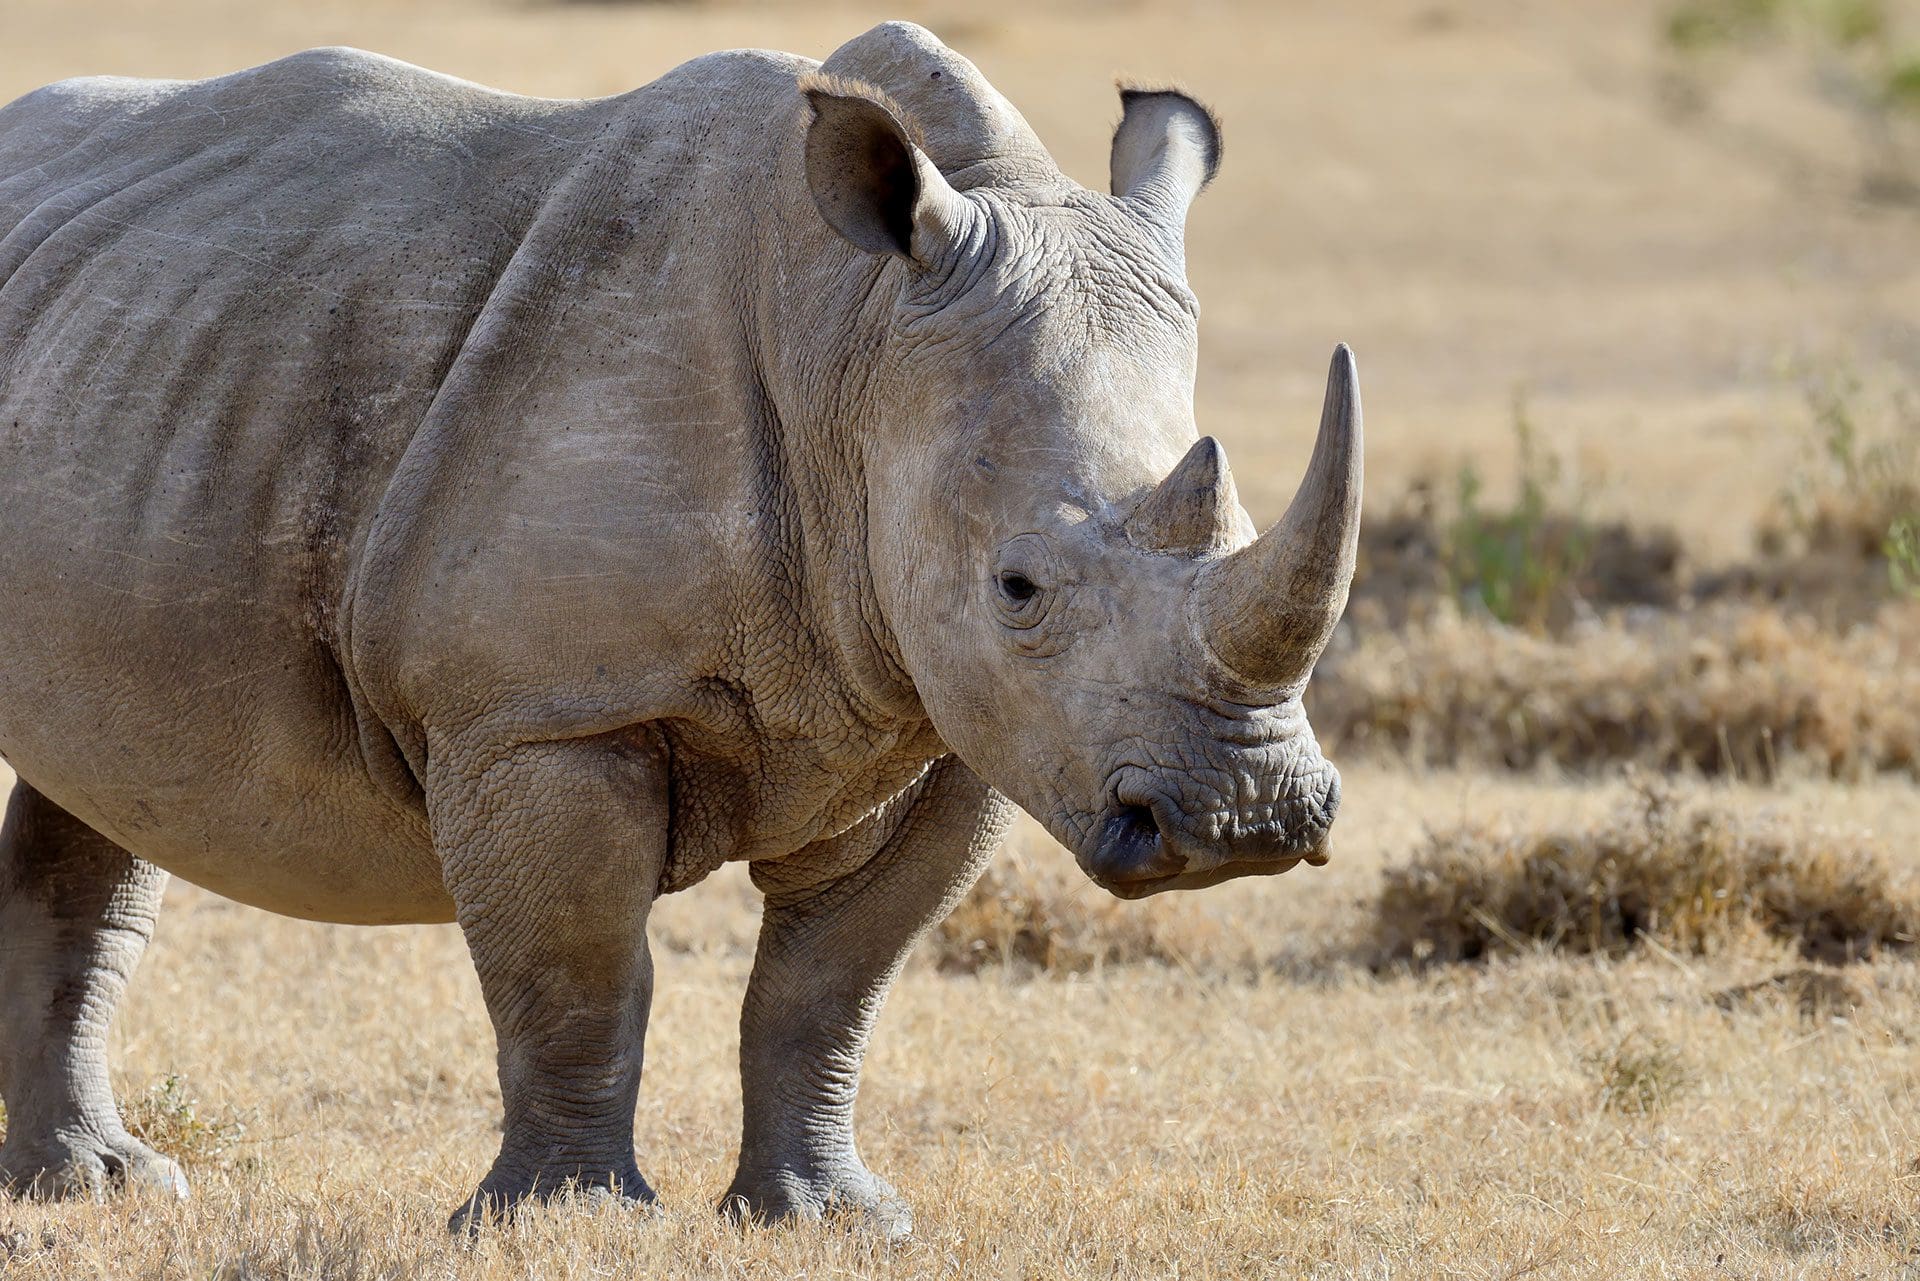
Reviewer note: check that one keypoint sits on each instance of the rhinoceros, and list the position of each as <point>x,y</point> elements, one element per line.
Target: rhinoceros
<point>421,503</point>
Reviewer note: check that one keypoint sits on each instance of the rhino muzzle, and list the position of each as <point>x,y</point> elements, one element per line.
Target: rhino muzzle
<point>1148,844</point>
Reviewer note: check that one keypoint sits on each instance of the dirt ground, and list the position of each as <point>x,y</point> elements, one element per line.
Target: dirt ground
<point>1486,200</point>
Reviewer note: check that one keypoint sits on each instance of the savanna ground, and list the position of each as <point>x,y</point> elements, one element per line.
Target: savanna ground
<point>1613,971</point>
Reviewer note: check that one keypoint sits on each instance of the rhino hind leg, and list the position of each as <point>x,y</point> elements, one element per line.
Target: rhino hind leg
<point>827,955</point>
<point>553,852</point>
<point>76,912</point>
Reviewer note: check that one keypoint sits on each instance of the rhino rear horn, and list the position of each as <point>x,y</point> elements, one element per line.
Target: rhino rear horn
<point>1193,509</point>
<point>1269,609</point>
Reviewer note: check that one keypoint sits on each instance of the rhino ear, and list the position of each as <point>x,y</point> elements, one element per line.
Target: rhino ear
<point>870,181</point>
<point>1166,149</point>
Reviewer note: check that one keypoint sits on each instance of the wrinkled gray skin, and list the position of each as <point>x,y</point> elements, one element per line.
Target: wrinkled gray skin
<point>420,503</point>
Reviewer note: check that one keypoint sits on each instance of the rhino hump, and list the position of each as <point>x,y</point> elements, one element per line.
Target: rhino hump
<point>967,127</point>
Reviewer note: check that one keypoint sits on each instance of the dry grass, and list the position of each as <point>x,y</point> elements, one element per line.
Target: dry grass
<point>1034,912</point>
<point>169,1115</point>
<point>1681,873</point>
<point>1744,692</point>
<point>1211,1119</point>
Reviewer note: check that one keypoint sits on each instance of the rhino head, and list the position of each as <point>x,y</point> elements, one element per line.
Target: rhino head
<point>1060,561</point>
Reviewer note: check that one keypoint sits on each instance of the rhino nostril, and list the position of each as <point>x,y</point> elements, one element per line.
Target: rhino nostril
<point>1131,847</point>
<point>1135,822</point>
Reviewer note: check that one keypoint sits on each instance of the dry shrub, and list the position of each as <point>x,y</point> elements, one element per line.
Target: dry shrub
<point>169,1118</point>
<point>1694,874</point>
<point>1841,532</point>
<point>1839,538</point>
<point>1742,691</point>
<point>1034,911</point>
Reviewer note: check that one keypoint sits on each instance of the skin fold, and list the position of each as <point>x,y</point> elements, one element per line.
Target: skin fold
<point>422,503</point>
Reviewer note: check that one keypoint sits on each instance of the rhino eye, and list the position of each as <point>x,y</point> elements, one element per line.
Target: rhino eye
<point>1017,588</point>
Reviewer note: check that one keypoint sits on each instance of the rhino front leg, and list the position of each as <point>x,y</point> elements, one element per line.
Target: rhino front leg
<point>553,852</point>
<point>76,911</point>
<point>838,924</point>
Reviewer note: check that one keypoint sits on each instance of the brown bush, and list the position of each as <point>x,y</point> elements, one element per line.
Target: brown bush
<point>1735,690</point>
<point>1691,874</point>
<point>1547,567</point>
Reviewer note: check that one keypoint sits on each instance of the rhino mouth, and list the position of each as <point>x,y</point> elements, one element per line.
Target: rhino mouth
<point>1202,879</point>
<point>1139,851</point>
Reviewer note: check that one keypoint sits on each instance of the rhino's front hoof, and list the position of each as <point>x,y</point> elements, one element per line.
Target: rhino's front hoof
<point>90,1169</point>
<point>858,1200</point>
<point>500,1197</point>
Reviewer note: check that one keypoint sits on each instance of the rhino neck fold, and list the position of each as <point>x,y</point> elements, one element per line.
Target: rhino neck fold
<point>820,333</point>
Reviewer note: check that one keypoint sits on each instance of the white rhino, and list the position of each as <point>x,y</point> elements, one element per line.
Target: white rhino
<point>422,503</point>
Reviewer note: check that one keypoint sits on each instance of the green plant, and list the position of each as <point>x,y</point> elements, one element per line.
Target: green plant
<point>1700,25</point>
<point>170,1119</point>
<point>1522,564</point>
<point>1903,556</point>
<point>1858,497</point>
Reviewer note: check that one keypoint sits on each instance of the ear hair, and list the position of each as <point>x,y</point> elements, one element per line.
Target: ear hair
<point>1131,91</point>
<point>818,84</point>
<point>1166,149</point>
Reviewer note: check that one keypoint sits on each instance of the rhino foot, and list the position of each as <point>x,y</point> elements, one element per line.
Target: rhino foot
<point>73,1166</point>
<point>853,1198</point>
<point>501,1195</point>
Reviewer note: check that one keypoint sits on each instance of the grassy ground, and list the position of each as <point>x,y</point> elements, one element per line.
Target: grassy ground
<point>1194,1118</point>
<point>1479,197</point>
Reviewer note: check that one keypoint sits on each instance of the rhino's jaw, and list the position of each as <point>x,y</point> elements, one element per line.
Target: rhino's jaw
<point>1201,880</point>
<point>1143,849</point>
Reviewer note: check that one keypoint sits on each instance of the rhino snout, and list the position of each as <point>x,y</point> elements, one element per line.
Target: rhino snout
<point>1147,843</point>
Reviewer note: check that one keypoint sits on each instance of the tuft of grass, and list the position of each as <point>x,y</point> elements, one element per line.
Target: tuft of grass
<point>1903,556</point>
<point>1815,993</point>
<point>1862,480</point>
<point>1638,1075</point>
<point>335,1251</point>
<point>1034,913</point>
<point>1694,876</point>
<point>169,1118</point>
<point>1539,564</point>
<point>1739,691</point>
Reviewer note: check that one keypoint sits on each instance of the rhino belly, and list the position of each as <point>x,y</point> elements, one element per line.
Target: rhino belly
<point>214,760</point>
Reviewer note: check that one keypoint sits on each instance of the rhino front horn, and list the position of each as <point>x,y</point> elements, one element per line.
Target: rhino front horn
<point>1269,609</point>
